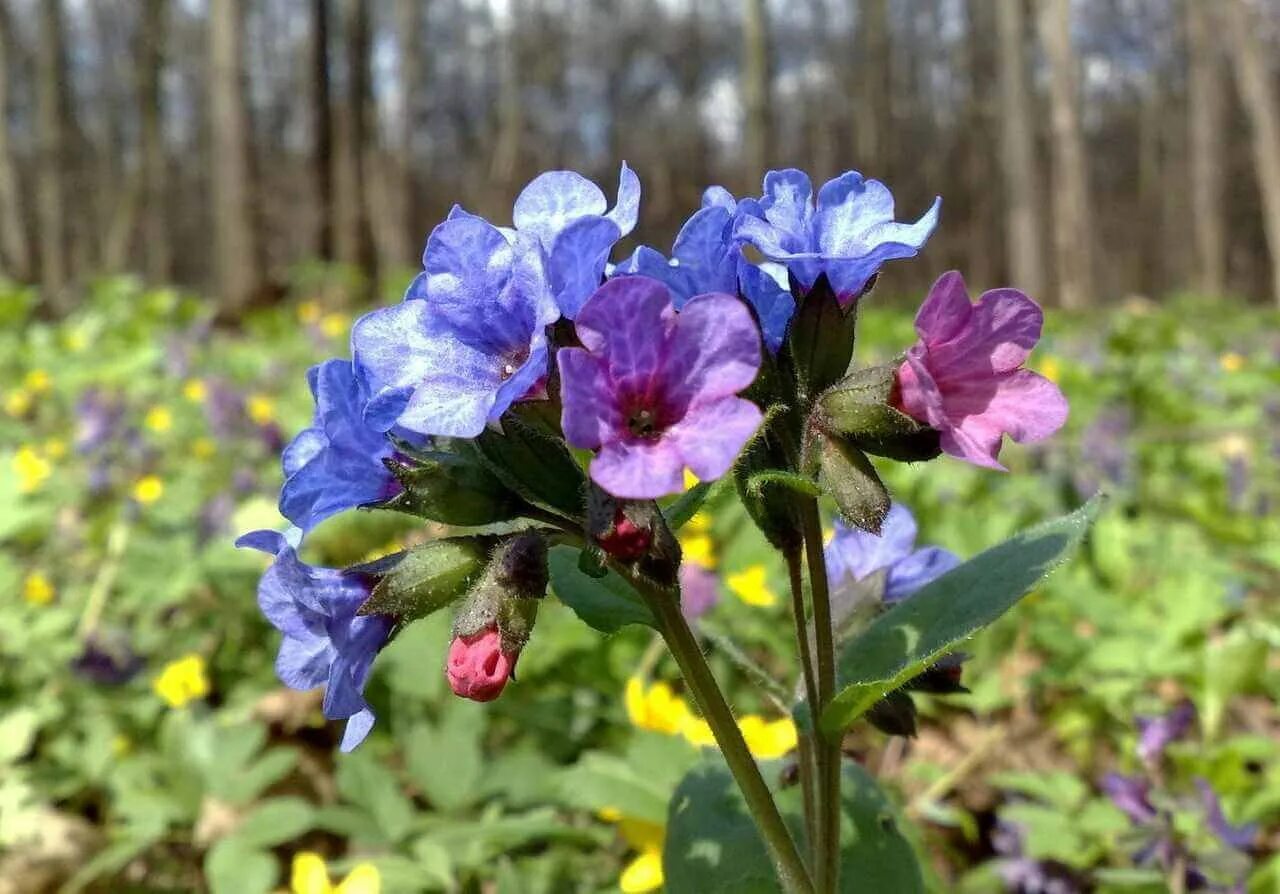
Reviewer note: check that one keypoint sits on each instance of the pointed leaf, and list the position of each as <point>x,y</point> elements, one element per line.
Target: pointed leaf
<point>606,603</point>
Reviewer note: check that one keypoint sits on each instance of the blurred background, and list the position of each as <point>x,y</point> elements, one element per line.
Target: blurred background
<point>196,198</point>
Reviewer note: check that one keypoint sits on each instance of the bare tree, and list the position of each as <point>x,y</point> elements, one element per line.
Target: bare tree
<point>157,248</point>
<point>321,127</point>
<point>872,88</point>
<point>1258,92</point>
<point>238,258</point>
<point>1206,107</point>
<point>15,255</point>
<point>1017,145</point>
<point>354,231</point>
<point>757,78</point>
<point>50,135</point>
<point>403,241</point>
<point>503,167</point>
<point>981,167</point>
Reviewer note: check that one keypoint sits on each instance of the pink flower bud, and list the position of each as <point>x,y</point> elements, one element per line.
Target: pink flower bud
<point>478,668</point>
<point>627,541</point>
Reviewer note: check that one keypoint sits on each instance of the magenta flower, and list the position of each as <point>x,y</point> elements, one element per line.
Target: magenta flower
<point>654,391</point>
<point>964,377</point>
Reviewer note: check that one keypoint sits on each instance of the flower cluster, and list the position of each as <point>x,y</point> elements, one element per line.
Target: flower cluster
<point>531,385</point>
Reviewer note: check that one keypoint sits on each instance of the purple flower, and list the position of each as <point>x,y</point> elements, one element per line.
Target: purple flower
<point>325,643</point>
<point>1131,795</point>
<point>98,420</point>
<point>699,591</point>
<point>1239,837</point>
<point>654,391</point>
<point>707,257</point>
<point>1022,874</point>
<point>569,217</point>
<point>964,377</point>
<point>336,464</point>
<point>853,555</point>
<point>847,235</point>
<point>107,659</point>
<point>1155,733</point>
<point>468,340</point>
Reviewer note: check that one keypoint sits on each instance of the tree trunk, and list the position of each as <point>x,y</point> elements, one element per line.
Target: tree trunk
<point>1258,93</point>
<point>321,128</point>
<point>15,257</point>
<point>157,249</point>
<point>237,257</point>
<point>983,178</point>
<point>50,140</point>
<point>1071,225</point>
<point>1206,107</point>
<point>757,79</point>
<point>1017,149</point>
<point>506,152</point>
<point>872,90</point>
<point>354,231</point>
<point>404,241</point>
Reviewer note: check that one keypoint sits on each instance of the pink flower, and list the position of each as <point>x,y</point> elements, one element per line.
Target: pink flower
<point>965,377</point>
<point>478,668</point>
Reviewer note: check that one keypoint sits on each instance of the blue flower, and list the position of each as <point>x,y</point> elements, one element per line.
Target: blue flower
<point>468,340</point>
<point>569,217</point>
<point>855,555</point>
<point>325,643</point>
<point>847,235</point>
<point>336,464</point>
<point>707,257</point>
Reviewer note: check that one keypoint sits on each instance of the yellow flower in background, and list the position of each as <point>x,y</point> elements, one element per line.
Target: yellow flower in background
<point>262,409</point>
<point>182,681</point>
<point>55,448</point>
<point>77,341</point>
<point>699,523</point>
<point>698,549</point>
<point>334,325</point>
<point>751,585</point>
<point>31,468</point>
<point>690,479</point>
<point>308,312</point>
<point>203,448</point>
<point>17,402</point>
<point>1233,446</point>
<point>644,872</point>
<point>768,739</point>
<point>697,732</point>
<point>158,419</point>
<point>37,589</point>
<point>1231,362</point>
<point>195,390</point>
<point>37,381</point>
<point>310,875</point>
<point>1051,368</point>
<point>655,708</point>
<point>148,489</point>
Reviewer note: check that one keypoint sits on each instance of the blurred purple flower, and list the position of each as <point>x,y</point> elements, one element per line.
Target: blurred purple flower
<point>1155,733</point>
<point>107,659</point>
<point>699,591</point>
<point>848,234</point>
<point>853,555</point>
<point>1106,456</point>
<point>97,420</point>
<point>214,517</point>
<point>224,409</point>
<point>325,642</point>
<point>1026,875</point>
<point>469,339</point>
<point>964,377</point>
<point>1239,837</point>
<point>654,391</point>
<point>1131,795</point>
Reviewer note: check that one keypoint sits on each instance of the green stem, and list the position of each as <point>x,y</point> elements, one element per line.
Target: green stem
<point>808,782</point>
<point>828,867</point>
<point>702,683</point>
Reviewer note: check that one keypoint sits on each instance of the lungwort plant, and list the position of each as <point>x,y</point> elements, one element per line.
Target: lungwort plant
<point>563,416</point>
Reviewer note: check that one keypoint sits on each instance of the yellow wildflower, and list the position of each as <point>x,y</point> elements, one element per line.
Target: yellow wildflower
<point>308,312</point>
<point>262,409</point>
<point>31,468</point>
<point>644,872</point>
<point>77,341</point>
<point>182,681</point>
<point>768,739</point>
<point>310,875</point>
<point>55,448</point>
<point>148,489</point>
<point>334,325</point>
<point>1233,446</point>
<point>203,448</point>
<point>697,732</point>
<point>698,549</point>
<point>1231,362</point>
<point>699,522</point>
<point>17,402</point>
<point>37,589</point>
<point>158,419</point>
<point>195,390</point>
<point>1051,369</point>
<point>751,585</point>
<point>655,708</point>
<point>38,381</point>
<point>690,479</point>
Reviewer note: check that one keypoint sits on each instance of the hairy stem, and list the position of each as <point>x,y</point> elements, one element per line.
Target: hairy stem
<point>702,683</point>
<point>808,756</point>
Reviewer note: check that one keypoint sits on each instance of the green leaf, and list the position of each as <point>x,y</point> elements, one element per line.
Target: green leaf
<point>535,466</point>
<point>275,821</point>
<point>607,603</point>
<point>904,640</point>
<point>232,868</point>
<point>687,505</point>
<point>778,478</point>
<point>364,781</point>
<point>636,785</point>
<point>452,490</point>
<point>429,577</point>
<point>17,731</point>
<point>446,759</point>
<point>712,845</point>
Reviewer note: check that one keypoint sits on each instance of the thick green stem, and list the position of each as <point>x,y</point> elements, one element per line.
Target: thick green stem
<point>808,755</point>
<point>702,683</point>
<point>827,870</point>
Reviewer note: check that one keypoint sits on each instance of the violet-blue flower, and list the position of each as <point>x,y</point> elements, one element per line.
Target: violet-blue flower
<point>847,234</point>
<point>853,555</point>
<point>325,642</point>
<point>1155,733</point>
<point>654,391</point>
<point>468,340</point>
<point>707,257</point>
<point>336,464</point>
<point>570,218</point>
<point>1131,794</point>
<point>1240,837</point>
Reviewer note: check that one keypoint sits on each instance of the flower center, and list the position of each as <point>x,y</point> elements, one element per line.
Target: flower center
<point>512,361</point>
<point>643,423</point>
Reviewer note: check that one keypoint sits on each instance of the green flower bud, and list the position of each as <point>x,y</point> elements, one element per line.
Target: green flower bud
<point>428,577</point>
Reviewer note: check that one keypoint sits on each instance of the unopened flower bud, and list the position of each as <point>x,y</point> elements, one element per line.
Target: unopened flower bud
<point>625,541</point>
<point>478,667</point>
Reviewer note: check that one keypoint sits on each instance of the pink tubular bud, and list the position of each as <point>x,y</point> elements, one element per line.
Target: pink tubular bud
<point>626,541</point>
<point>477,667</point>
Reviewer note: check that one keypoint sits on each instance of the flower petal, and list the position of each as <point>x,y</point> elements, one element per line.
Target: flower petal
<point>710,436</point>
<point>555,198</point>
<point>714,351</point>
<point>639,470</point>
